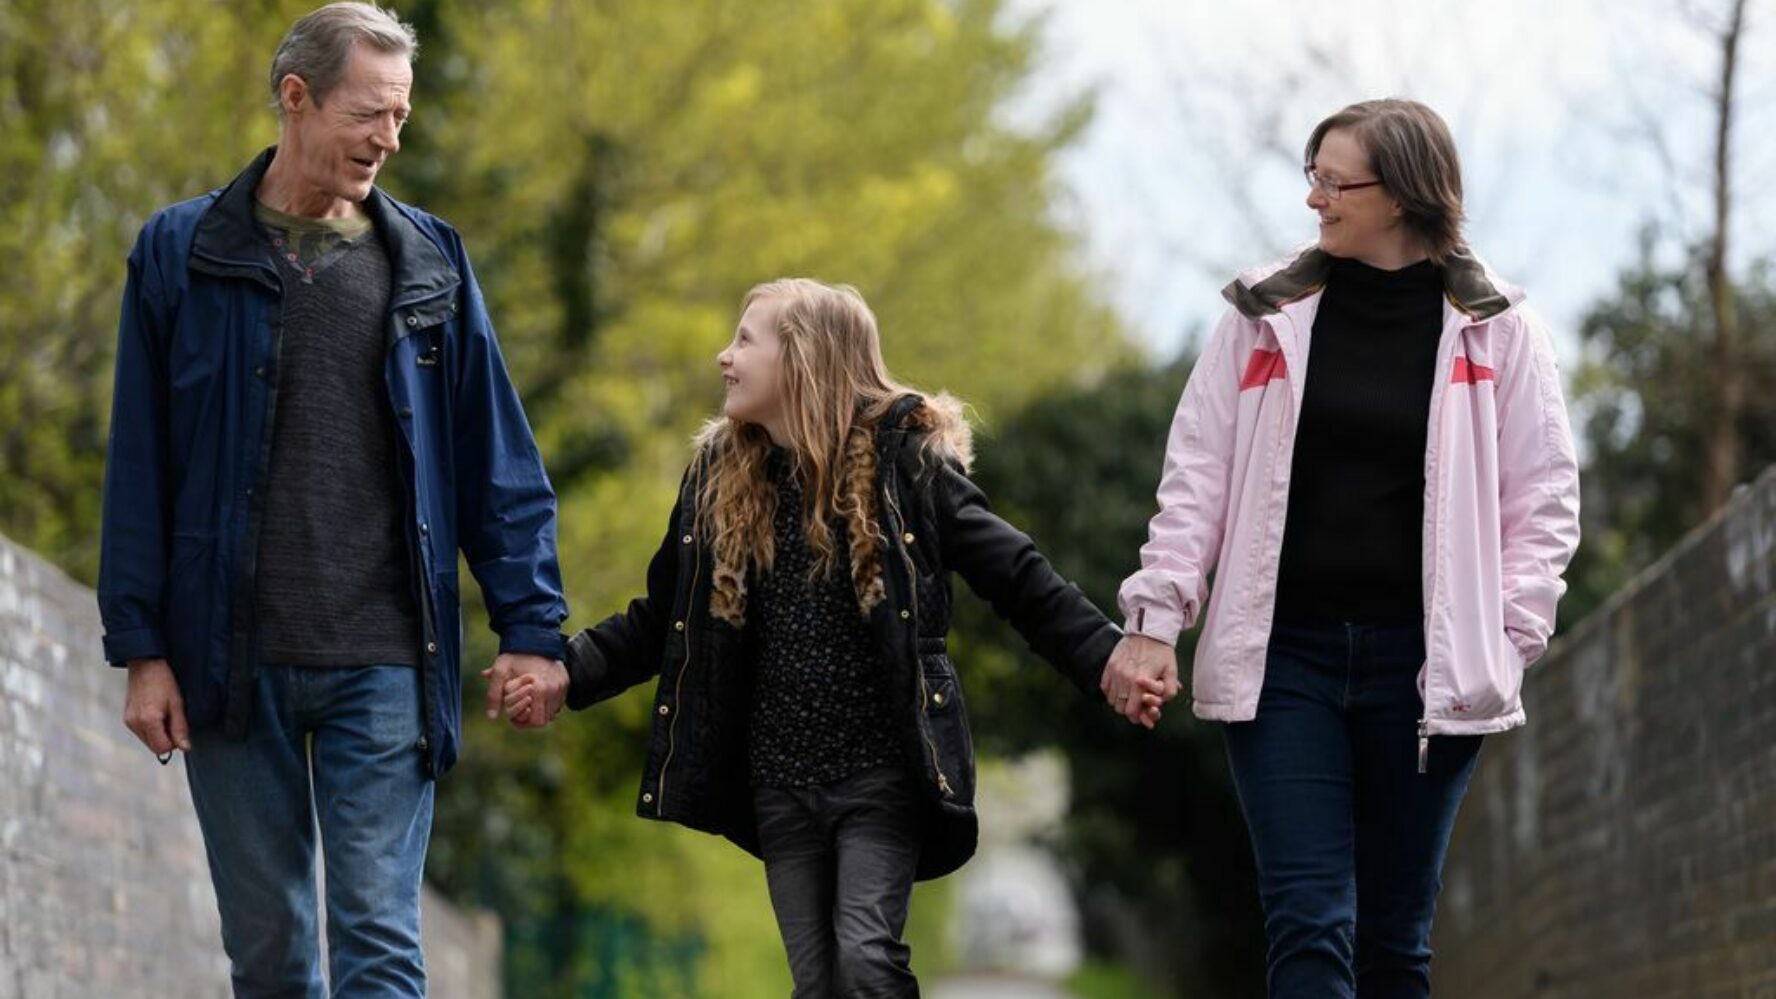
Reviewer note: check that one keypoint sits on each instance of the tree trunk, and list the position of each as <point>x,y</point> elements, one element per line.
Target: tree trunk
<point>1722,432</point>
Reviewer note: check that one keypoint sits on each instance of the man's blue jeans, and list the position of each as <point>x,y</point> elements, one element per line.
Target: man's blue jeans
<point>336,749</point>
<point>1349,837</point>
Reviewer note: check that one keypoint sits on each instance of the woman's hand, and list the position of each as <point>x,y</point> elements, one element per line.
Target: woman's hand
<point>1142,674</point>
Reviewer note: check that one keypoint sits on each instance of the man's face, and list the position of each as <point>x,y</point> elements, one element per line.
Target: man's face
<point>342,141</point>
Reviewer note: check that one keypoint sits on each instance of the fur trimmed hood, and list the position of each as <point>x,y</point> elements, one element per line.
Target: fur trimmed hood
<point>943,419</point>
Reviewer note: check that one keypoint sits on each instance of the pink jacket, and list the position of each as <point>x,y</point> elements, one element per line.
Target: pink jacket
<point>1501,496</point>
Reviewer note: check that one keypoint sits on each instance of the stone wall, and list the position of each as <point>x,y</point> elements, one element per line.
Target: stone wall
<point>104,890</point>
<point>1623,845</point>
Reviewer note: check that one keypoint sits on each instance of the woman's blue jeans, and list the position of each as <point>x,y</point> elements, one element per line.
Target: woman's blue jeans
<point>1348,836</point>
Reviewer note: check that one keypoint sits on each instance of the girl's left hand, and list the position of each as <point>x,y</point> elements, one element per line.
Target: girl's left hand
<point>1151,691</point>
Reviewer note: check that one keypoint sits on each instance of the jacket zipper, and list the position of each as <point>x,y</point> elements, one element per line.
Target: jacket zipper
<point>678,687</point>
<point>244,615</point>
<point>943,783</point>
<point>420,561</point>
<point>1439,403</point>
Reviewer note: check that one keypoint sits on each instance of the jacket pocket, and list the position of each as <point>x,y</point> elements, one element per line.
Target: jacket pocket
<point>1505,683</point>
<point>946,722</point>
<point>1511,683</point>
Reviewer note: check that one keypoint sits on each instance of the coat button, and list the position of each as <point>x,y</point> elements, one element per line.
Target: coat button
<point>432,648</point>
<point>424,529</point>
<point>664,710</point>
<point>413,320</point>
<point>937,698</point>
<point>423,744</point>
<point>678,626</point>
<point>260,371</point>
<point>907,537</point>
<point>647,798</point>
<point>906,615</point>
<point>686,539</point>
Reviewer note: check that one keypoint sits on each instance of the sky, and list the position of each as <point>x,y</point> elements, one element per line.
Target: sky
<point>1189,171</point>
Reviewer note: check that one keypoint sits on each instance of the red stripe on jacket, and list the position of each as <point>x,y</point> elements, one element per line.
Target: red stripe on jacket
<point>1265,366</point>
<point>1468,373</point>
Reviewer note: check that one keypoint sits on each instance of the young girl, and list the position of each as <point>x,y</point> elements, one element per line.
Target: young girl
<point>796,615</point>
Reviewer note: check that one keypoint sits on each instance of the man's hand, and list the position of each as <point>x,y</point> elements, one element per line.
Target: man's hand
<point>530,690</point>
<point>1142,674</point>
<point>153,709</point>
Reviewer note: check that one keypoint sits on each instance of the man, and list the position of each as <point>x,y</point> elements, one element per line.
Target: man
<point>311,416</point>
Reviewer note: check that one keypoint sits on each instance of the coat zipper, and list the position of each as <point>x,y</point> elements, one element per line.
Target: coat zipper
<point>1439,403</point>
<point>943,783</point>
<point>678,687</point>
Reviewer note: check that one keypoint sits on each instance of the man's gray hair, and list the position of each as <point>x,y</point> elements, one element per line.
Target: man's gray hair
<point>318,45</point>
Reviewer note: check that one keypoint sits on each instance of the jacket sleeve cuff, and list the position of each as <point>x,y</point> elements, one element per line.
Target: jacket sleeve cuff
<point>138,643</point>
<point>545,642</point>
<point>1157,623</point>
<point>585,670</point>
<point>1093,657</point>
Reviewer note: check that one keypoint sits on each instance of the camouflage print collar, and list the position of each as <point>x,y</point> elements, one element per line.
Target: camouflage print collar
<point>1467,283</point>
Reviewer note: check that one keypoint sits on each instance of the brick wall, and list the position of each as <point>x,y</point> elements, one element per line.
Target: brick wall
<point>1623,845</point>
<point>104,889</point>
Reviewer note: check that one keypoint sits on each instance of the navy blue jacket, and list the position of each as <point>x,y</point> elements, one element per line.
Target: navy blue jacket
<point>196,395</point>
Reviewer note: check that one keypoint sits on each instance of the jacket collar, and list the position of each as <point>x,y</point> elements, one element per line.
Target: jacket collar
<point>228,241</point>
<point>1468,283</point>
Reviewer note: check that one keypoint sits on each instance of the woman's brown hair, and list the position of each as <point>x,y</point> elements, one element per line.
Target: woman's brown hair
<point>1414,157</point>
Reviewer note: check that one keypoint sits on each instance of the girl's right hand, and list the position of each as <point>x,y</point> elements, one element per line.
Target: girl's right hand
<point>527,702</point>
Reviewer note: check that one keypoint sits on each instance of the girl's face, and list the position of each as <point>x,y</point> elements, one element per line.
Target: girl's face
<point>752,368</point>
<point>1365,223</point>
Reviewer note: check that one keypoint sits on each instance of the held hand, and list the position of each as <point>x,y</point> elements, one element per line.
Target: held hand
<point>1141,674</point>
<point>530,690</point>
<point>153,709</point>
<point>1149,693</point>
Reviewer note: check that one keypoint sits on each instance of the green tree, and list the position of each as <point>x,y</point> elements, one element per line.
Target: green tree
<point>108,112</point>
<point>1644,402</point>
<point>623,173</point>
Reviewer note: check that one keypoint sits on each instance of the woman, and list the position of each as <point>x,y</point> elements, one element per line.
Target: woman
<point>796,615</point>
<point>1388,515</point>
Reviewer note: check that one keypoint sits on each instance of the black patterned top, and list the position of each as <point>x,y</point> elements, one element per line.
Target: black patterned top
<point>820,711</point>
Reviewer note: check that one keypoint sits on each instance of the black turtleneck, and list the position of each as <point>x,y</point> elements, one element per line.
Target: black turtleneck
<point>1353,545</point>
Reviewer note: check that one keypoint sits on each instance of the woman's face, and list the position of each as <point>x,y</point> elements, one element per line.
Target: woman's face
<point>1365,224</point>
<point>752,366</point>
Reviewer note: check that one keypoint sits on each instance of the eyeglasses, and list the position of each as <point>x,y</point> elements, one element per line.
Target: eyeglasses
<point>1333,189</point>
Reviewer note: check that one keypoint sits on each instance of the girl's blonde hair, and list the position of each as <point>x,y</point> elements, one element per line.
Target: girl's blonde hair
<point>835,390</point>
